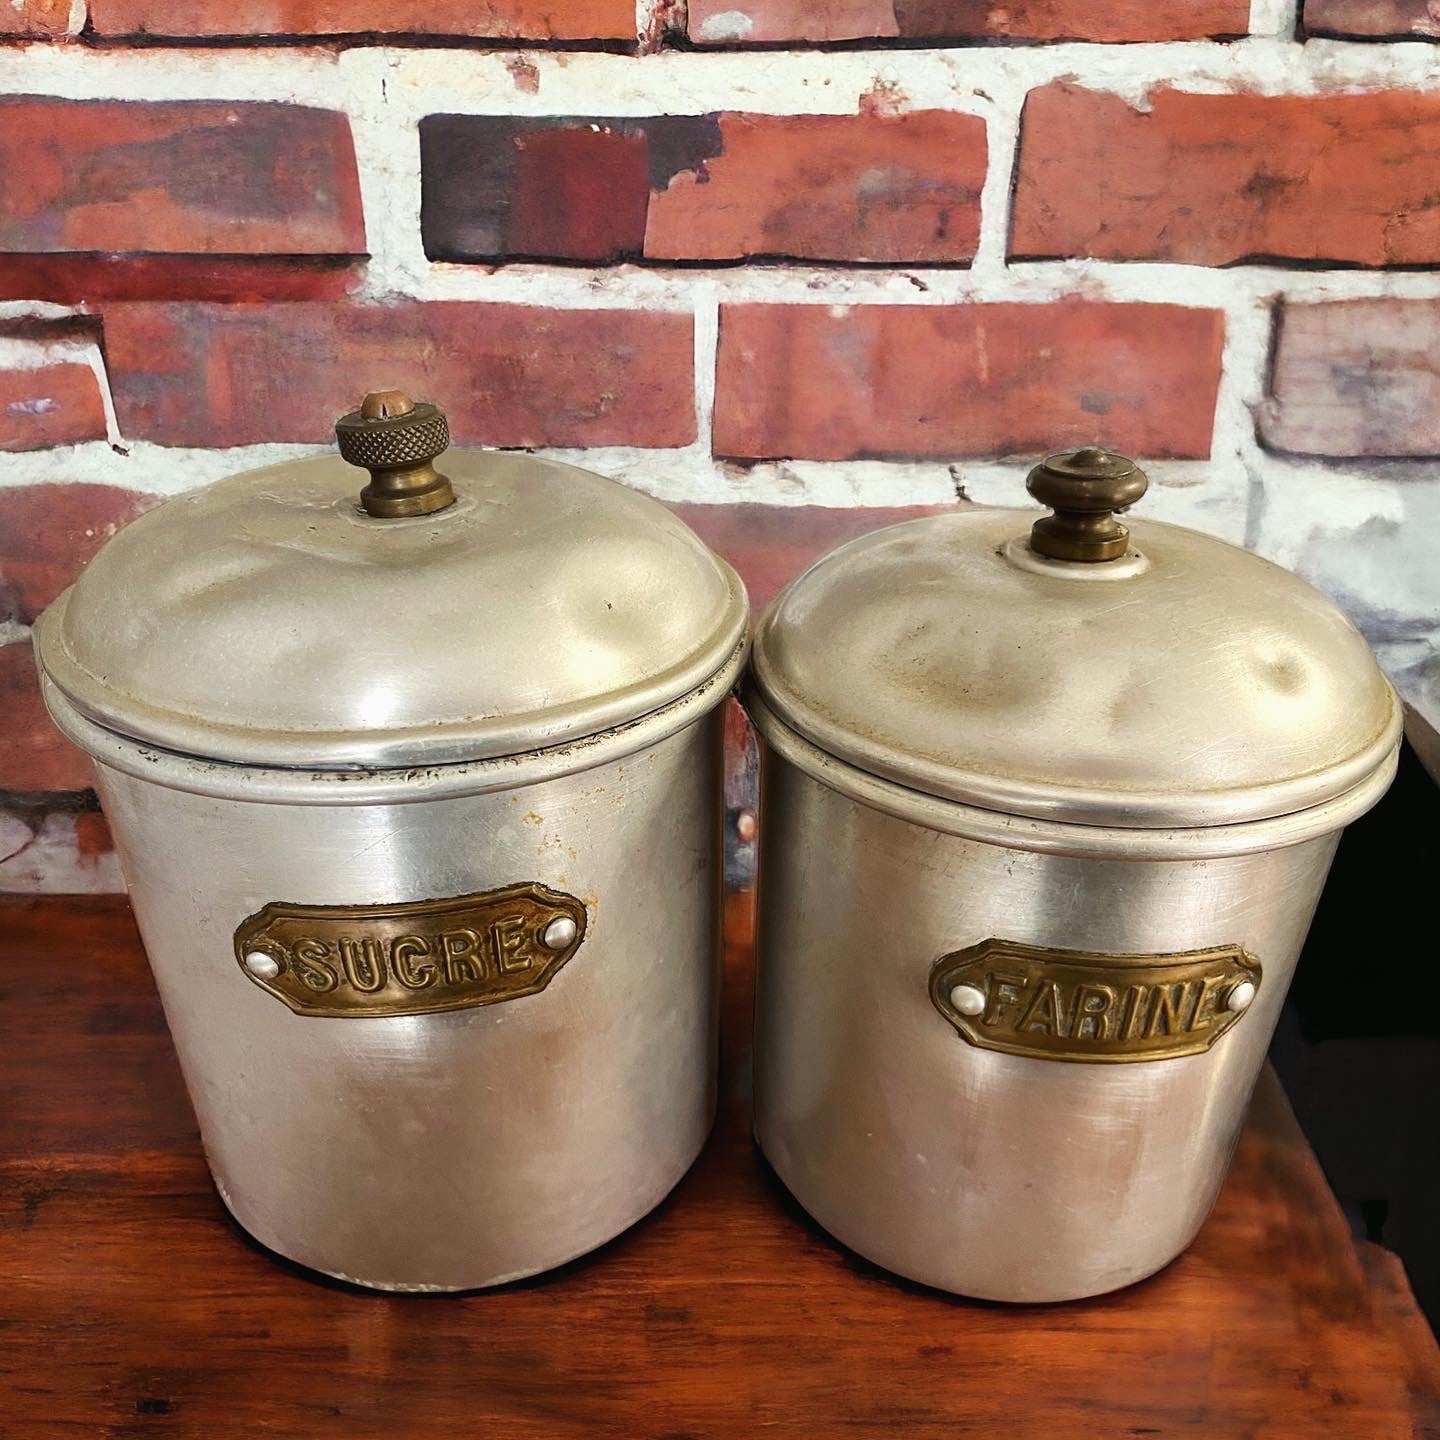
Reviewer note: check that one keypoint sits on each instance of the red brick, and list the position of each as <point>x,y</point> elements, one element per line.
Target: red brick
<point>877,188</point>
<point>1220,179</point>
<point>512,375</point>
<point>771,544</point>
<point>54,404</point>
<point>92,834</point>
<point>489,19</point>
<point>499,187</point>
<point>36,19</point>
<point>580,193</point>
<point>49,533</point>
<point>774,22</point>
<point>35,758</point>
<point>822,382</point>
<point>1355,377</point>
<point>759,22</point>
<point>152,183</point>
<point>1378,19</point>
<point>88,279</point>
<point>864,188</point>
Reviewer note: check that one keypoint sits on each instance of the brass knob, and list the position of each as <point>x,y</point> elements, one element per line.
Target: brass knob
<point>397,440</point>
<point>1084,488</point>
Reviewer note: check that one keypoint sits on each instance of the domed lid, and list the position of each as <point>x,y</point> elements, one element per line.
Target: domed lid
<point>503,606</point>
<point>1143,677</point>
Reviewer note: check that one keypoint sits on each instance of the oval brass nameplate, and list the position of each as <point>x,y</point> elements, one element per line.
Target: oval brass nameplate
<point>1109,1009</point>
<point>413,958</point>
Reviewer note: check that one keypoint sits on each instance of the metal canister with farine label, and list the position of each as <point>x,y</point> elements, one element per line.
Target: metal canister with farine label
<point>1045,815</point>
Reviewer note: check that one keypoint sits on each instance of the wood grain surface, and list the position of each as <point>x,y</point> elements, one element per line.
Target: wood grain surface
<point>131,1305</point>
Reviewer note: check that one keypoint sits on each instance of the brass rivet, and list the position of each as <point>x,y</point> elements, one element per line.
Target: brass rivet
<point>559,933</point>
<point>261,965</point>
<point>968,999</point>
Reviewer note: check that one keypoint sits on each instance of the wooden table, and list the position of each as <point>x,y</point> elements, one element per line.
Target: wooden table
<point>130,1305</point>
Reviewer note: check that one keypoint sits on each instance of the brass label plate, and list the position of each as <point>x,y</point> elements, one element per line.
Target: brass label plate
<point>1107,1009</point>
<point>414,958</point>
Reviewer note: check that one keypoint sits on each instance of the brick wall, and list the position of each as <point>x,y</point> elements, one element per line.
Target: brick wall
<point>798,267</point>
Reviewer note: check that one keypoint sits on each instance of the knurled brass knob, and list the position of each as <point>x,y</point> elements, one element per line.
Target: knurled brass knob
<point>1084,488</point>
<point>397,440</point>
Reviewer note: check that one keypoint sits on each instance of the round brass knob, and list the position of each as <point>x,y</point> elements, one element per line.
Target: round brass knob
<point>1084,488</point>
<point>397,440</point>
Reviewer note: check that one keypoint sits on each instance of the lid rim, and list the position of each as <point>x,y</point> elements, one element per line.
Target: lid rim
<point>268,620</point>
<point>1064,837</point>
<point>1079,805</point>
<point>397,785</point>
<point>444,743</point>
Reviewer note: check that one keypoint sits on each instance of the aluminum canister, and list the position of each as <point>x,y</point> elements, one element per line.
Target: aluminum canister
<point>418,796</point>
<point>1044,821</point>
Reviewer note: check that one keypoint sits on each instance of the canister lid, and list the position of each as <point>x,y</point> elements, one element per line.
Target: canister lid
<point>1140,676</point>
<point>491,607</point>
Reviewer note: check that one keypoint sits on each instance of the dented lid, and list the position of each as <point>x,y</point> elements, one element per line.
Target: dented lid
<point>1131,676</point>
<point>496,605</point>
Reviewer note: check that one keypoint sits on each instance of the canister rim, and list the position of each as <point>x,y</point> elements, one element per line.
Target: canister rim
<point>342,751</point>
<point>1064,837</point>
<point>399,785</point>
<point>1081,805</point>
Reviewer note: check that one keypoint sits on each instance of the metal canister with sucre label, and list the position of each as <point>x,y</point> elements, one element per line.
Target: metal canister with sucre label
<point>417,776</point>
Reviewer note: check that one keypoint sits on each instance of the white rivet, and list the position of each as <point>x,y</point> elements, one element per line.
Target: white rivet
<point>1240,997</point>
<point>261,965</point>
<point>968,999</point>
<point>559,933</point>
